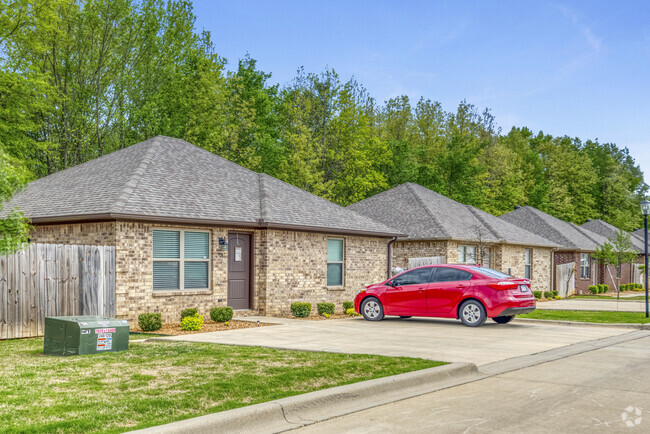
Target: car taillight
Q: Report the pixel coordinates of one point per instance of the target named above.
(504, 285)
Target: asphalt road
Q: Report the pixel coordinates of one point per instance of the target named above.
(603, 390)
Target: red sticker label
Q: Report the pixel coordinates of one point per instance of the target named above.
(98, 331)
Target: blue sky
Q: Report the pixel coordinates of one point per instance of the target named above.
(578, 68)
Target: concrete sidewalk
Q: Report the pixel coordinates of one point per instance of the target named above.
(595, 305)
(428, 338)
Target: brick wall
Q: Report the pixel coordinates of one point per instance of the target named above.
(513, 257)
(297, 269)
(134, 273)
(98, 233)
(403, 250)
(502, 257)
(287, 266)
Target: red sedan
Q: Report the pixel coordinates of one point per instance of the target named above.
(471, 294)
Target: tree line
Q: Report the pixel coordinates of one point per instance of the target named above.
(82, 79)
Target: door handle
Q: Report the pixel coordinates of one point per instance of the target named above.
(461, 286)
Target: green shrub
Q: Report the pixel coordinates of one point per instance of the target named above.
(351, 312)
(548, 295)
(149, 322)
(300, 310)
(190, 311)
(192, 323)
(348, 305)
(594, 289)
(622, 287)
(537, 294)
(602, 288)
(221, 314)
(325, 308)
(555, 294)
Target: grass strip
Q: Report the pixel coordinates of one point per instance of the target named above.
(155, 383)
(589, 316)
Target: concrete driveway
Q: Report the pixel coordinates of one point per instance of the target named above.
(435, 339)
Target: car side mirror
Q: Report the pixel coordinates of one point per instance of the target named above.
(390, 283)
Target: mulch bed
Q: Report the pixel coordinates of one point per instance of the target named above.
(321, 317)
(174, 329)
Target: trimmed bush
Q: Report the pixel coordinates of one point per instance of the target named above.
(623, 287)
(348, 305)
(548, 295)
(325, 308)
(300, 310)
(190, 311)
(192, 323)
(351, 312)
(149, 322)
(537, 294)
(221, 314)
(594, 289)
(555, 293)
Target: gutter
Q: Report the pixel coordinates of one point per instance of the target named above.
(256, 224)
(390, 258)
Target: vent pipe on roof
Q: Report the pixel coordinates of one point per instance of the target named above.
(517, 206)
(588, 220)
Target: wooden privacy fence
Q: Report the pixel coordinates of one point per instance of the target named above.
(54, 280)
(565, 283)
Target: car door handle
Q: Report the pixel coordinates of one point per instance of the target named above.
(461, 286)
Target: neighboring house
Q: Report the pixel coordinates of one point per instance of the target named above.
(192, 229)
(577, 246)
(437, 226)
(629, 272)
(640, 234)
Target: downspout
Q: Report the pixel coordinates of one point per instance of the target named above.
(390, 257)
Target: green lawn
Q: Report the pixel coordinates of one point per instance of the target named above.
(587, 316)
(605, 297)
(159, 382)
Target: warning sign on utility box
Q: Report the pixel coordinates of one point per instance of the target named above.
(104, 341)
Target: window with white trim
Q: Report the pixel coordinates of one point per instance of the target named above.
(181, 259)
(467, 254)
(528, 261)
(335, 261)
(585, 262)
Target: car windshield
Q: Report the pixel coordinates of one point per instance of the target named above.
(492, 273)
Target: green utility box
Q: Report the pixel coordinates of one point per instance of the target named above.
(73, 335)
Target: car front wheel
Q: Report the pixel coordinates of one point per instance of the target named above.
(472, 313)
(371, 309)
(503, 319)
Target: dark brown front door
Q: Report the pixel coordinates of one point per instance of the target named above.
(239, 270)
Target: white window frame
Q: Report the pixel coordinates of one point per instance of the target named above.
(181, 259)
(528, 266)
(327, 262)
(585, 266)
(464, 248)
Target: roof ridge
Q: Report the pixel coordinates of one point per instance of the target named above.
(265, 208)
(584, 231)
(135, 178)
(421, 202)
(559, 233)
(485, 223)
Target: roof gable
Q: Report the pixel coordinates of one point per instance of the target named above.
(170, 179)
(568, 235)
(424, 214)
(609, 231)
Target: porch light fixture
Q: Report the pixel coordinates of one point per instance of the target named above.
(645, 210)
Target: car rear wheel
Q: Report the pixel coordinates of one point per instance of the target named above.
(372, 310)
(472, 313)
(503, 319)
